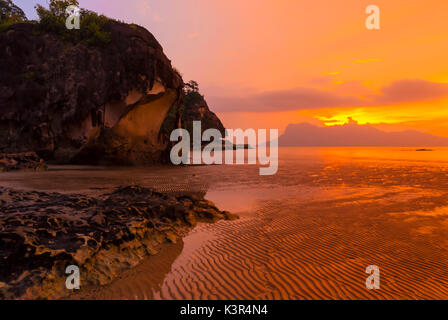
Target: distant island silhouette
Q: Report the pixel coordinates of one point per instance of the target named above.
(353, 134)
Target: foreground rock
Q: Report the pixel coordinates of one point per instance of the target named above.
(43, 233)
(25, 161)
(108, 97)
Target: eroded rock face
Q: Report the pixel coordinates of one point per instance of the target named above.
(25, 161)
(197, 110)
(57, 97)
(135, 138)
(43, 233)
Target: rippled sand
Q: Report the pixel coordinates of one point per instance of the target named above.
(308, 232)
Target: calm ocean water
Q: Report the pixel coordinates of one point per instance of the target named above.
(232, 186)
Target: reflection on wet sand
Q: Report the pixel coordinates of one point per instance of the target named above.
(140, 282)
(308, 232)
(300, 249)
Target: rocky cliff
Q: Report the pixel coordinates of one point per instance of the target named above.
(196, 109)
(193, 107)
(75, 102)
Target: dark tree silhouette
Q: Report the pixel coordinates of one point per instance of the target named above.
(9, 12)
(192, 86)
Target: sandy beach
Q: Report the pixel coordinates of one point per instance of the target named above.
(308, 232)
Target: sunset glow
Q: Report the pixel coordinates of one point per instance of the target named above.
(274, 46)
(239, 152)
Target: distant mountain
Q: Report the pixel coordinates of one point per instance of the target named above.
(353, 134)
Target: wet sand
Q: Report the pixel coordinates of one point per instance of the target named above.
(308, 232)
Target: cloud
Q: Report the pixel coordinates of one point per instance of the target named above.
(353, 88)
(145, 9)
(320, 82)
(412, 90)
(333, 73)
(299, 98)
(368, 60)
(293, 99)
(193, 35)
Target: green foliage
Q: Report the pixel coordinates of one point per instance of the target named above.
(192, 86)
(4, 25)
(53, 19)
(29, 75)
(58, 7)
(91, 29)
(10, 14)
(191, 93)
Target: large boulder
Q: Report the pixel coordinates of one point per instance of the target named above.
(65, 99)
(42, 233)
(9, 12)
(197, 109)
(25, 161)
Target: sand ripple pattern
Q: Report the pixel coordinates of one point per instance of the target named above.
(316, 251)
(385, 206)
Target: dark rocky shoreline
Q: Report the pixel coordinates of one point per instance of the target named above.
(25, 161)
(42, 233)
(108, 98)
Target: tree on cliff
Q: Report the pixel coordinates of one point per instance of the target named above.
(56, 15)
(191, 93)
(92, 25)
(58, 7)
(195, 108)
(9, 11)
(192, 86)
(10, 14)
(54, 19)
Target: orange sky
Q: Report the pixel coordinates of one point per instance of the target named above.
(324, 45)
(268, 63)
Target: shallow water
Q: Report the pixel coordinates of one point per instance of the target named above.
(308, 232)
